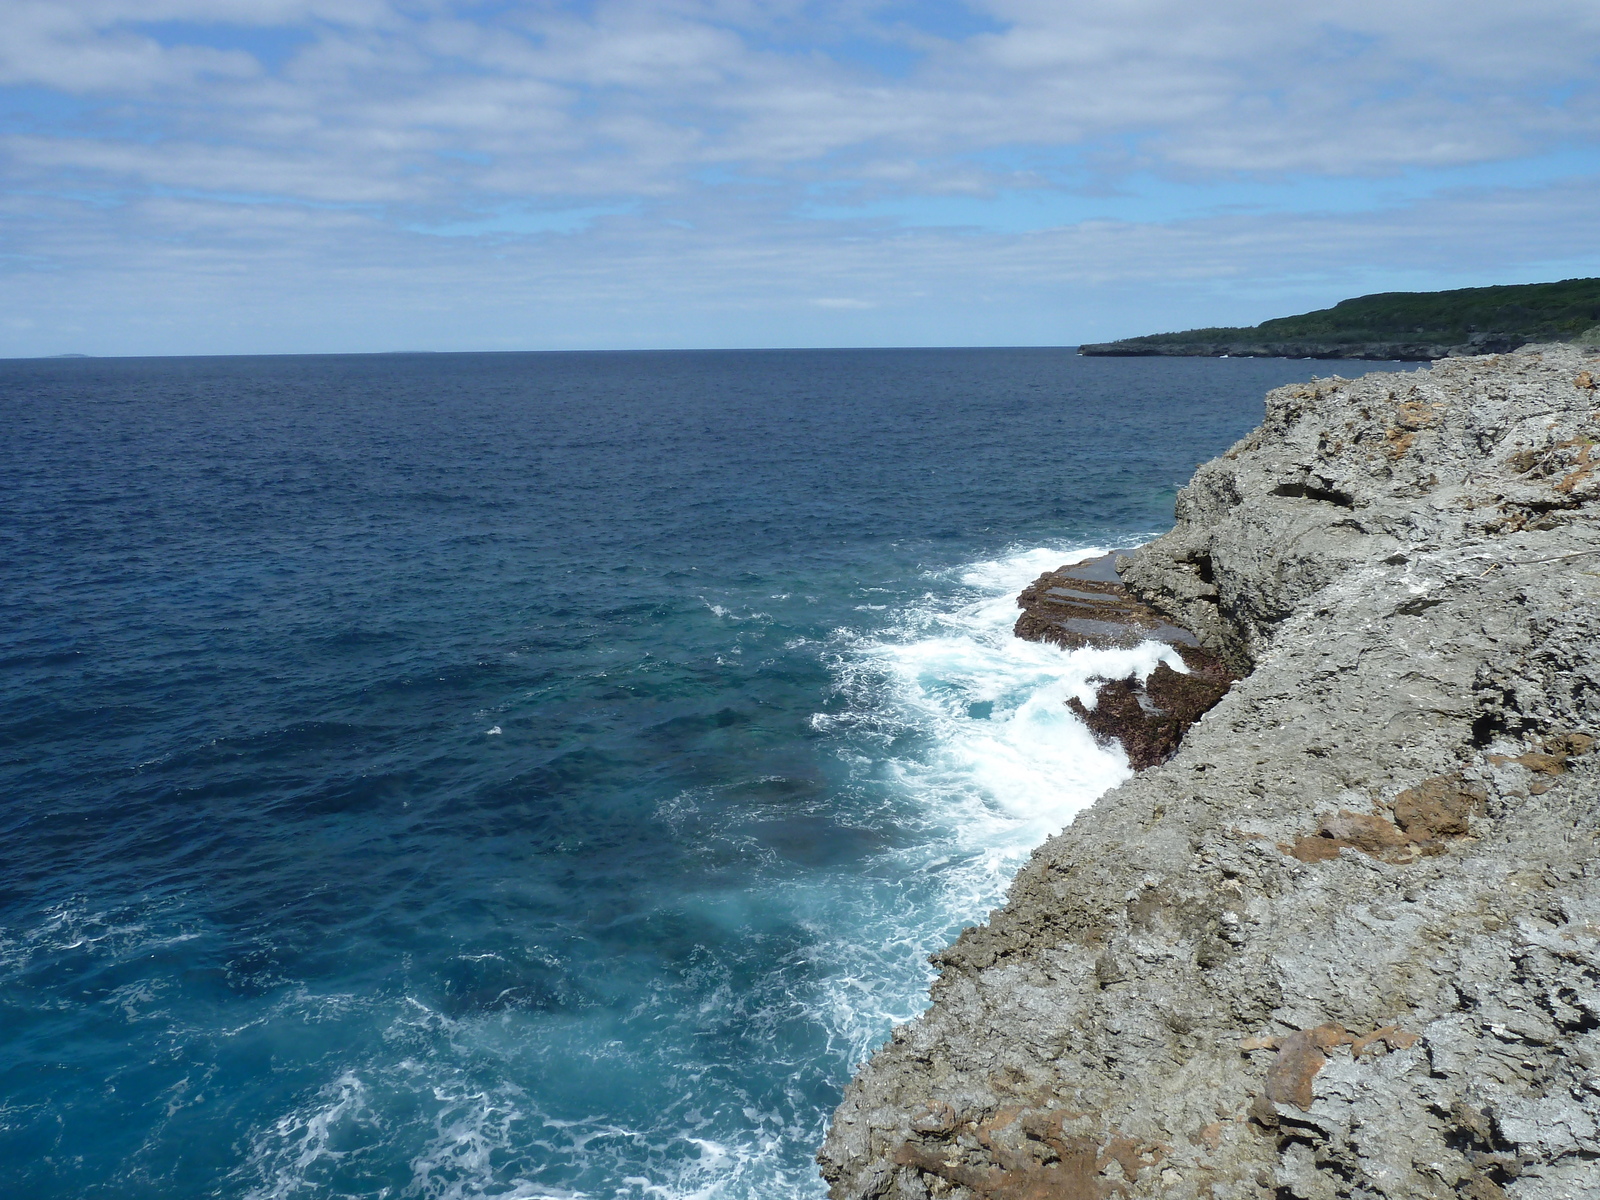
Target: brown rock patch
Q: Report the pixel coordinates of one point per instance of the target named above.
(1300, 1057)
(1435, 809)
(1083, 605)
(1552, 754)
(1438, 807)
(1366, 832)
(1150, 719)
(1303, 1053)
(1033, 1158)
(1391, 1036)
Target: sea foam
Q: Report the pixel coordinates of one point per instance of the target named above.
(955, 748)
(974, 734)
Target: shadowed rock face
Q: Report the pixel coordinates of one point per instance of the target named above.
(1345, 943)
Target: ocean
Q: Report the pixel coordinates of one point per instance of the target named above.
(528, 775)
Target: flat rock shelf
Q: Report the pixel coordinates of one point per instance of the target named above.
(1345, 940)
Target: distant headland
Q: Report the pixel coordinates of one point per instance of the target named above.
(1410, 326)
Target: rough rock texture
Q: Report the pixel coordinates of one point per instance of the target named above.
(1346, 943)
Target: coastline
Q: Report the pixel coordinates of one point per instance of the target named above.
(1346, 941)
(1418, 352)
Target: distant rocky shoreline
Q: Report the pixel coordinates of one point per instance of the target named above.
(1345, 941)
(1395, 326)
(1371, 351)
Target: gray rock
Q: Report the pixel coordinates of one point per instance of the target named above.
(1346, 943)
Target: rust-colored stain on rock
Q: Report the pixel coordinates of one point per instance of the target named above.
(1300, 1057)
(1438, 807)
(1303, 1053)
(1552, 754)
(1391, 1036)
(1434, 809)
(1034, 1159)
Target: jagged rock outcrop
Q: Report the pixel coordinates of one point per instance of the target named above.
(1346, 943)
(1085, 604)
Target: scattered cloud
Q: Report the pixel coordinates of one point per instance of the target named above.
(722, 163)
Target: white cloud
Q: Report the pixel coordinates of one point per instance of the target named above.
(187, 275)
(717, 125)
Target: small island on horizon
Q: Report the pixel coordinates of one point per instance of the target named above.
(1406, 326)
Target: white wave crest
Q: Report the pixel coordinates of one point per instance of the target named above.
(956, 755)
(973, 732)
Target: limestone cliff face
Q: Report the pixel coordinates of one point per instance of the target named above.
(1346, 943)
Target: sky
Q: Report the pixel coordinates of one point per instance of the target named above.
(288, 176)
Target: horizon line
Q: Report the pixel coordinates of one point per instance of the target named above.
(78, 357)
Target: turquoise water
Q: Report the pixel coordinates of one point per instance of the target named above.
(526, 775)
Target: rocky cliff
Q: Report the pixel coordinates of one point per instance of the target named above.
(1346, 942)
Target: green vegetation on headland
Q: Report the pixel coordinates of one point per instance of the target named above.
(1415, 326)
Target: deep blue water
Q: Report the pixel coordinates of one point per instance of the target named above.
(525, 775)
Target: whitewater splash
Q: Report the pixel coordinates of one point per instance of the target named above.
(954, 753)
(996, 706)
(988, 761)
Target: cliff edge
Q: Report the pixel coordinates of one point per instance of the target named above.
(1346, 942)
